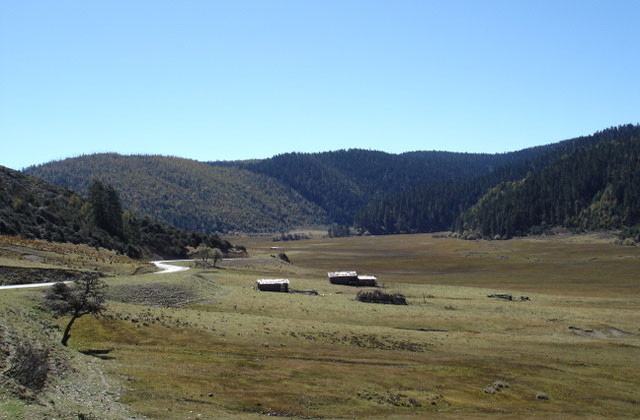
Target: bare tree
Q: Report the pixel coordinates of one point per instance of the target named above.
(85, 297)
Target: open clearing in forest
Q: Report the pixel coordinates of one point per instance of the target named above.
(239, 353)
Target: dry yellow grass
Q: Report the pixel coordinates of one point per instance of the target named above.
(37, 253)
(564, 266)
(241, 353)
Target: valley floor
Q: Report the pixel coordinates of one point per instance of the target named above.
(204, 344)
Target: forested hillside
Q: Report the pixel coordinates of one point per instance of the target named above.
(343, 181)
(378, 192)
(188, 194)
(33, 208)
(594, 187)
(436, 207)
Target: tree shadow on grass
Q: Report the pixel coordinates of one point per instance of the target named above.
(99, 353)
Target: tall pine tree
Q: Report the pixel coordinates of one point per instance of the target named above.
(106, 209)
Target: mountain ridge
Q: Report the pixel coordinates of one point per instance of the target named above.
(437, 207)
(378, 192)
(342, 181)
(187, 193)
(594, 187)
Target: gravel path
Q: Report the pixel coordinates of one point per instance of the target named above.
(165, 266)
(20, 286)
(168, 268)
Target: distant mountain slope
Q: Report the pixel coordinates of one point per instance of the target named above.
(437, 206)
(33, 208)
(188, 194)
(343, 181)
(594, 187)
(382, 193)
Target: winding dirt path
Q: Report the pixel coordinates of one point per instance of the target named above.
(23, 286)
(166, 267)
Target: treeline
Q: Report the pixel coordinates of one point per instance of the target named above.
(343, 181)
(338, 231)
(438, 207)
(595, 187)
(285, 237)
(32, 208)
(376, 192)
(188, 194)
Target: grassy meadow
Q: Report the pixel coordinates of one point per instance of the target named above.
(230, 351)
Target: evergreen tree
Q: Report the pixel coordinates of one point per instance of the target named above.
(106, 210)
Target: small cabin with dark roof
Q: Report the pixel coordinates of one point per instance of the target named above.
(273, 285)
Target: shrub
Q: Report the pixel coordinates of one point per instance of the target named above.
(376, 296)
(29, 366)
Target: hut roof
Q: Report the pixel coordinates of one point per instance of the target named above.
(272, 281)
(342, 274)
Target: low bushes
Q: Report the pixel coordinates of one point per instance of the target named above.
(376, 296)
(29, 365)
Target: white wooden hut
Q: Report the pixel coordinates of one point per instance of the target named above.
(343, 277)
(351, 278)
(368, 281)
(273, 285)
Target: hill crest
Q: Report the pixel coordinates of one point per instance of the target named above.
(186, 193)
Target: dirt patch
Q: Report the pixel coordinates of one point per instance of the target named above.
(154, 294)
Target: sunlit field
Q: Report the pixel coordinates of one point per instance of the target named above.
(230, 351)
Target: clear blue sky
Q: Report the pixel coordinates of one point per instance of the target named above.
(240, 79)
